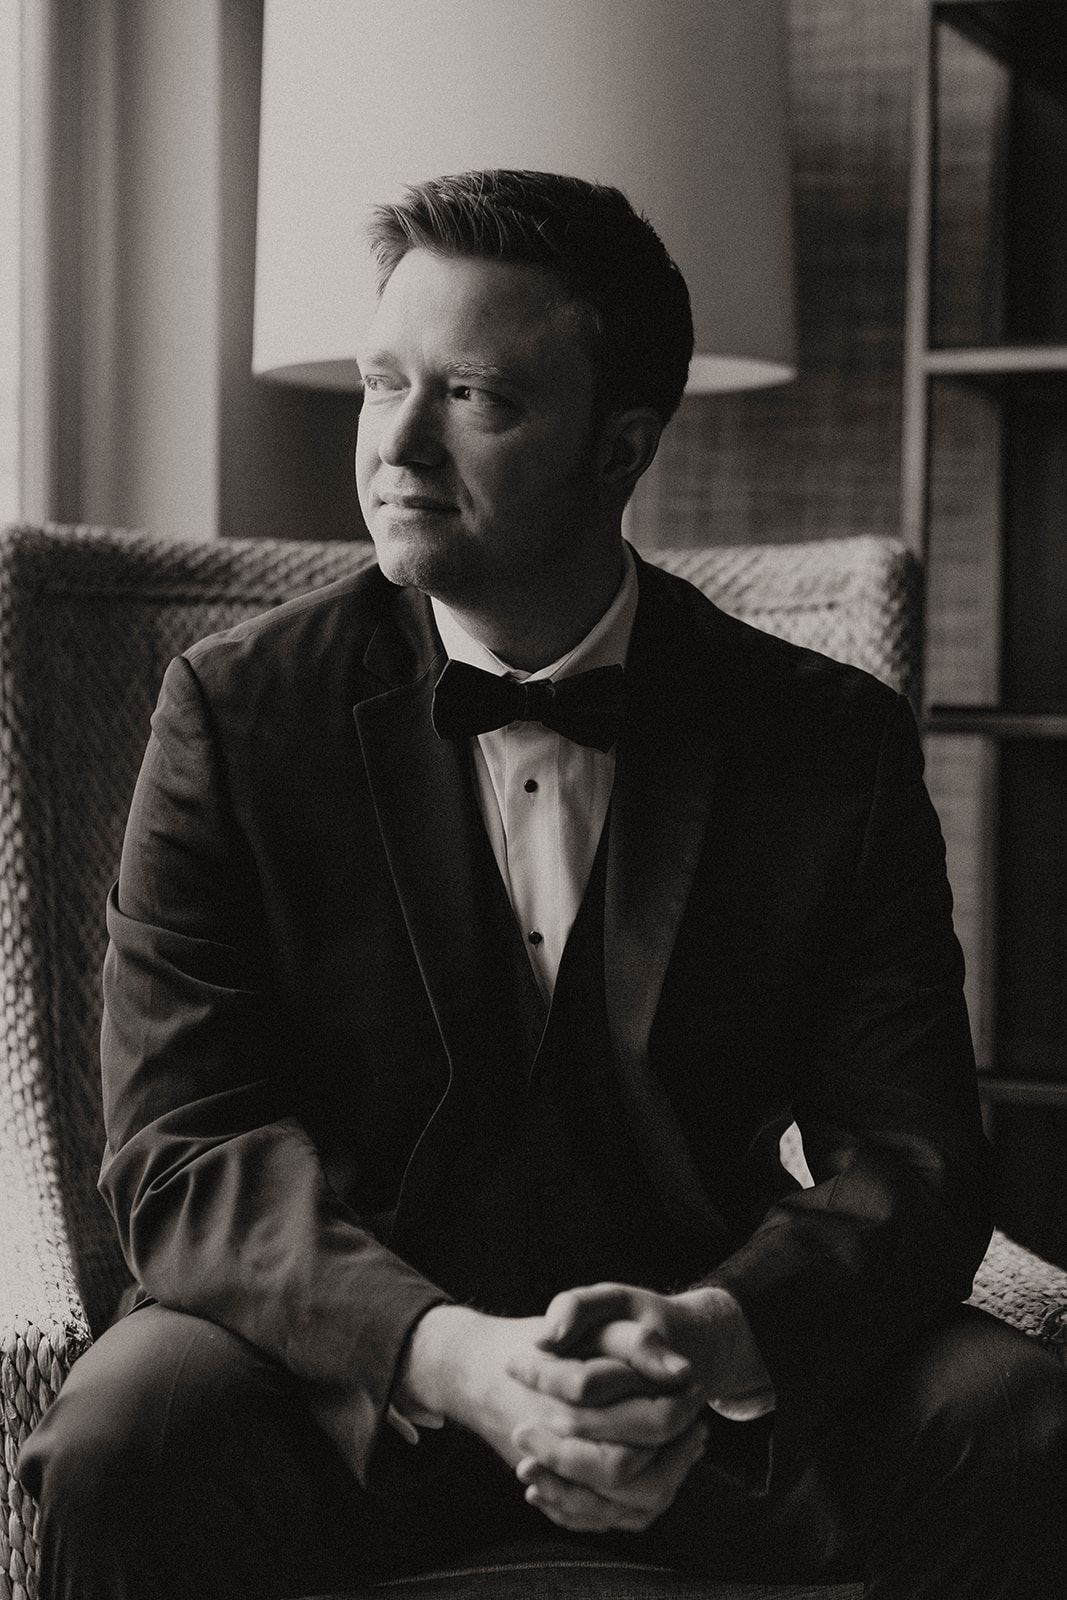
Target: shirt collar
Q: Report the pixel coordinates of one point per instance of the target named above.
(605, 645)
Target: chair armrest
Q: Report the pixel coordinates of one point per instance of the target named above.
(1017, 1286)
(43, 1330)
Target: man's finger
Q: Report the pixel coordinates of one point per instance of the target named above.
(604, 1468)
(596, 1382)
(640, 1421)
(647, 1478)
(576, 1312)
(643, 1348)
(580, 1509)
(635, 1503)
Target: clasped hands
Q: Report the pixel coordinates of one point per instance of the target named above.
(599, 1406)
(630, 1420)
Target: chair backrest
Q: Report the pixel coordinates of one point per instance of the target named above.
(89, 619)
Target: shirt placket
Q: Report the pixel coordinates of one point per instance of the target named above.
(532, 830)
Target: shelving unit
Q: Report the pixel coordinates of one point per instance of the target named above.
(985, 506)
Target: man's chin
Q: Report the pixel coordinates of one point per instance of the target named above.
(422, 560)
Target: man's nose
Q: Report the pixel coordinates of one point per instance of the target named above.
(412, 433)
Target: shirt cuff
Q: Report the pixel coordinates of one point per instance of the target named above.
(747, 1392)
(408, 1426)
(745, 1407)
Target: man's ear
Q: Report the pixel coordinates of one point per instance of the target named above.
(628, 443)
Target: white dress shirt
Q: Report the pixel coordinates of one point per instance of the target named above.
(544, 798)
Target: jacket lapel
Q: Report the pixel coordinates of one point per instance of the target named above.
(662, 800)
(454, 905)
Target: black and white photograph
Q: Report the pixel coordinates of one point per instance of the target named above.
(533, 799)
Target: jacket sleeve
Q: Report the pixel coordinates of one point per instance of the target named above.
(220, 1200)
(838, 1278)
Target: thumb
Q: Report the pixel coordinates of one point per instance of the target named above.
(645, 1350)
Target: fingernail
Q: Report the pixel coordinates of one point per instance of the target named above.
(672, 1363)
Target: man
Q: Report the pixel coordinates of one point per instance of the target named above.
(460, 988)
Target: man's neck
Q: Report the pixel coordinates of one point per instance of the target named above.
(531, 631)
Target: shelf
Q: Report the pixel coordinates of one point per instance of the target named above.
(996, 361)
(997, 722)
(984, 475)
(1021, 1091)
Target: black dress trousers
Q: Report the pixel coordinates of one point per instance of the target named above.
(178, 1461)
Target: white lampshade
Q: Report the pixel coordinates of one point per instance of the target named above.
(679, 103)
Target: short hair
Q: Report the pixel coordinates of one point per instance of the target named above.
(630, 299)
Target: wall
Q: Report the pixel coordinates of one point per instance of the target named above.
(820, 456)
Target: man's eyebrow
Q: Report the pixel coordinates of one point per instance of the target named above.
(462, 367)
(483, 371)
(375, 358)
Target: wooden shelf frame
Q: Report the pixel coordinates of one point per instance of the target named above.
(960, 397)
(994, 361)
(915, 455)
(924, 359)
(997, 722)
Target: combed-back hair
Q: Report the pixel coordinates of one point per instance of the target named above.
(630, 300)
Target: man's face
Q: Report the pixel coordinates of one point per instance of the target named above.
(476, 454)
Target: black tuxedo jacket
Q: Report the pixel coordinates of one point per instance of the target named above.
(303, 1002)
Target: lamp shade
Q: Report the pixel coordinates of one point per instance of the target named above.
(679, 103)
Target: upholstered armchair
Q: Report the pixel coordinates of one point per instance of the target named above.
(88, 620)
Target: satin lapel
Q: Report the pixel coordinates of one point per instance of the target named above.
(453, 902)
(662, 799)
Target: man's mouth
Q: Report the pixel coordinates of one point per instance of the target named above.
(417, 502)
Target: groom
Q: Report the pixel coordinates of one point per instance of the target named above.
(483, 920)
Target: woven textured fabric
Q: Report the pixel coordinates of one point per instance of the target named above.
(88, 621)
(854, 599)
(1015, 1285)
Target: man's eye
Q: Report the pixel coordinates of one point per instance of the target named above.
(378, 383)
(484, 398)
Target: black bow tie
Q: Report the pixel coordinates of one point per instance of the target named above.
(586, 708)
